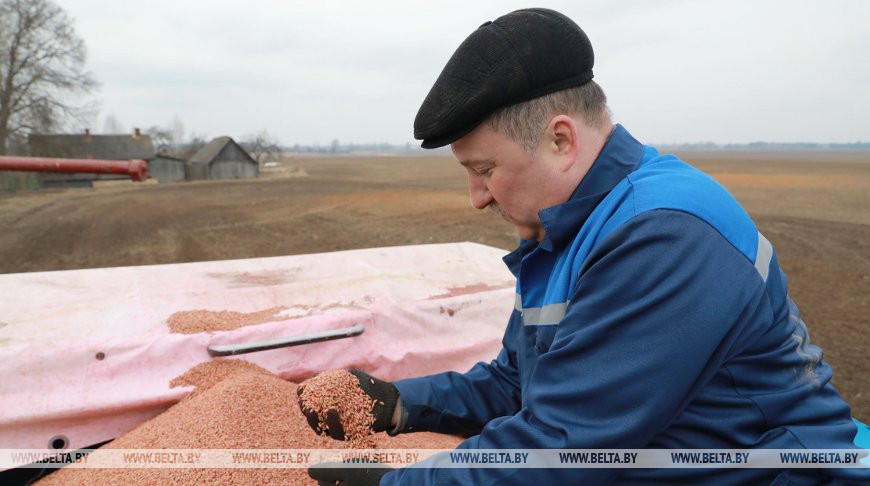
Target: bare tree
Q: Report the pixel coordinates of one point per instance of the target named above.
(113, 125)
(163, 139)
(192, 146)
(177, 129)
(42, 61)
(261, 146)
(169, 139)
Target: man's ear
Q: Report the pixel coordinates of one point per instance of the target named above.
(563, 141)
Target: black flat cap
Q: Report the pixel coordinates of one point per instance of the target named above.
(519, 56)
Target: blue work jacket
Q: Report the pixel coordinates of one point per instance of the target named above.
(652, 315)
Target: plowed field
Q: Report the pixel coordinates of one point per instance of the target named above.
(813, 206)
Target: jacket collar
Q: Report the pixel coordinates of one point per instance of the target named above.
(619, 157)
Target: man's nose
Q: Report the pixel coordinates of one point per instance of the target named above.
(478, 192)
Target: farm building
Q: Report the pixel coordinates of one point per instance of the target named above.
(222, 158)
(88, 146)
(166, 168)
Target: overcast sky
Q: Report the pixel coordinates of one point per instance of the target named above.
(309, 72)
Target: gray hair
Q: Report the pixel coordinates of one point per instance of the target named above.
(525, 122)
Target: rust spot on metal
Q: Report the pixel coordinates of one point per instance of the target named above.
(448, 311)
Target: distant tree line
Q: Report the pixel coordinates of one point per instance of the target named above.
(762, 146)
(336, 147)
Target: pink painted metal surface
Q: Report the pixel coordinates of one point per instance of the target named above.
(89, 353)
(137, 169)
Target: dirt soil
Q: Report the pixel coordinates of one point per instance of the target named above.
(813, 206)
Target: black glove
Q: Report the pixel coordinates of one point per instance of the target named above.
(334, 473)
(384, 394)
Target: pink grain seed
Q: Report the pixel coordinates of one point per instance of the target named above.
(195, 321)
(237, 405)
(339, 390)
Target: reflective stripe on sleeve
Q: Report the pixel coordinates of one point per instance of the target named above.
(541, 316)
(763, 256)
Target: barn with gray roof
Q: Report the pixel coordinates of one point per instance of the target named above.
(222, 158)
(88, 146)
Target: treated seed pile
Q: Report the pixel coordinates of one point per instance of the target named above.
(192, 322)
(205, 375)
(236, 405)
(339, 390)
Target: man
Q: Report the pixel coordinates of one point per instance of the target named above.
(650, 312)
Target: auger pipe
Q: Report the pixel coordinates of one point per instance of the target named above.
(137, 169)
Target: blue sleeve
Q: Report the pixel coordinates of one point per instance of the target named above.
(462, 403)
(654, 314)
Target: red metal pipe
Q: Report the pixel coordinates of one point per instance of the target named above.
(137, 169)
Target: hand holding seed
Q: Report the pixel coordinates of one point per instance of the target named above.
(348, 405)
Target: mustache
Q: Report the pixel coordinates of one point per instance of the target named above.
(496, 209)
